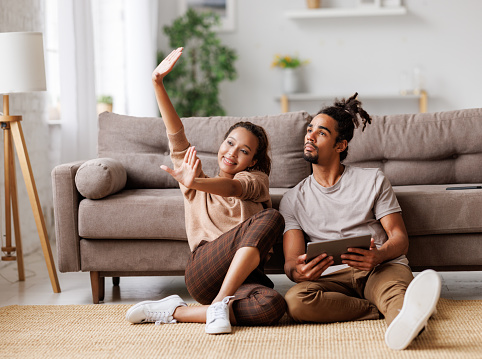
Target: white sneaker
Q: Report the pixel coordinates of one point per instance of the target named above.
(158, 311)
(419, 303)
(217, 317)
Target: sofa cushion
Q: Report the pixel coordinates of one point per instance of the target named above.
(137, 213)
(142, 214)
(424, 148)
(141, 145)
(285, 131)
(157, 213)
(431, 209)
(100, 177)
(276, 196)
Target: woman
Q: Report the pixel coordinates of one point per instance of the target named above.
(229, 223)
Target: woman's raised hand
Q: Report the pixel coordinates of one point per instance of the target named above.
(166, 65)
(189, 170)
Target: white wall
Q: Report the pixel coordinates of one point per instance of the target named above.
(365, 54)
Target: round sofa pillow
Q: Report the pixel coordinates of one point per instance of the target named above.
(100, 177)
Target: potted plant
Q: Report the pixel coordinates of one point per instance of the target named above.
(104, 103)
(291, 76)
(193, 84)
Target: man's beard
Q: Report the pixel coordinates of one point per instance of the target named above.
(312, 158)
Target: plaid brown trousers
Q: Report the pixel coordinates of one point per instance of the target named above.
(255, 302)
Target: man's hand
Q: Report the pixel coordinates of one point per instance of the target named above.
(166, 65)
(189, 170)
(313, 269)
(363, 259)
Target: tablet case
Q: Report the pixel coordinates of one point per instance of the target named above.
(337, 247)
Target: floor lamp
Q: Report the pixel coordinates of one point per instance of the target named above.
(22, 69)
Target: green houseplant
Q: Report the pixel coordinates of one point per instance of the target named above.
(193, 84)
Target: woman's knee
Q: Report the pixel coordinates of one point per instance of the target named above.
(273, 223)
(262, 307)
(274, 216)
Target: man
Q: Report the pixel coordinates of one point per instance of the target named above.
(339, 201)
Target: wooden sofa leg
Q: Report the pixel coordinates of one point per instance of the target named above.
(98, 287)
(101, 288)
(115, 281)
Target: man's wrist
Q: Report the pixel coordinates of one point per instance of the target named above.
(289, 271)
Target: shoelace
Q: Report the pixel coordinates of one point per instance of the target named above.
(220, 309)
(163, 317)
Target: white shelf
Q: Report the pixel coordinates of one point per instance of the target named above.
(317, 97)
(345, 12)
(298, 97)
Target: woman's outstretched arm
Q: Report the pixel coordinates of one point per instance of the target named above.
(169, 115)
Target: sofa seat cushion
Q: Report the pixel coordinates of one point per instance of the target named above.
(140, 214)
(136, 213)
(276, 196)
(159, 213)
(431, 209)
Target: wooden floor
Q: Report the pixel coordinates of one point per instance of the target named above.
(36, 289)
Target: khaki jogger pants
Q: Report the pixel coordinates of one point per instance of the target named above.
(351, 294)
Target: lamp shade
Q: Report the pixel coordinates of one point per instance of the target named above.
(22, 65)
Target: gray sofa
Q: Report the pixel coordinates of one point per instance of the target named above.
(121, 215)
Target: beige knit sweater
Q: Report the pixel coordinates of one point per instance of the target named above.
(208, 216)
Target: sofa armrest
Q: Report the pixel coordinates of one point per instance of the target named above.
(66, 200)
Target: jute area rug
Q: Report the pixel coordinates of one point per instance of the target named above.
(101, 331)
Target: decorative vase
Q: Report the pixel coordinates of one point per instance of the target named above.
(291, 80)
(313, 4)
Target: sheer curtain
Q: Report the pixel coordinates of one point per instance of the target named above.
(140, 56)
(77, 81)
(125, 39)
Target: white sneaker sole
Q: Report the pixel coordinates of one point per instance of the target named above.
(220, 330)
(149, 302)
(419, 303)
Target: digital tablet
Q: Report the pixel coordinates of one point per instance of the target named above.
(337, 247)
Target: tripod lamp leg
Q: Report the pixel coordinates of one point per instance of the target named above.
(24, 161)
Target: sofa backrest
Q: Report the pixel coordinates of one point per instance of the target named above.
(425, 148)
(141, 145)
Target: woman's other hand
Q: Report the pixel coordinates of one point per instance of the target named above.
(189, 170)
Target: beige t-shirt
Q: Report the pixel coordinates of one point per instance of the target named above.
(208, 216)
(353, 206)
